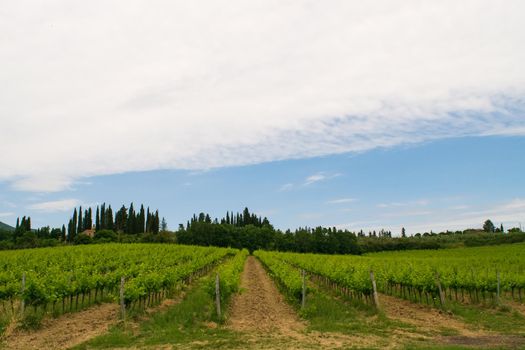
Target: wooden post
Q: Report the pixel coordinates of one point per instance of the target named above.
(441, 296)
(303, 299)
(498, 290)
(218, 294)
(23, 302)
(374, 287)
(122, 304)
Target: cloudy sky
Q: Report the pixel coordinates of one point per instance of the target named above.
(355, 114)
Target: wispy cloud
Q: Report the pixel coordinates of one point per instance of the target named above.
(247, 90)
(6, 214)
(55, 206)
(508, 213)
(421, 202)
(286, 187)
(321, 176)
(341, 201)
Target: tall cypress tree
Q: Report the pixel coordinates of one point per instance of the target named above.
(130, 222)
(141, 219)
(97, 220)
(80, 222)
(109, 218)
(103, 216)
(148, 221)
(75, 218)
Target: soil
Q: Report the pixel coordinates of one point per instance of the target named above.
(260, 307)
(66, 331)
(428, 320)
(268, 322)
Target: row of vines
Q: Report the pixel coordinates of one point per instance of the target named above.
(470, 275)
(66, 279)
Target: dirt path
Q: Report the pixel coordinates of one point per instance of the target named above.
(260, 307)
(268, 322)
(429, 321)
(66, 331)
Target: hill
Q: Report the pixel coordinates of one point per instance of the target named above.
(6, 227)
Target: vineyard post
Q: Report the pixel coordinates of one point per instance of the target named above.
(218, 294)
(441, 296)
(374, 287)
(498, 289)
(122, 304)
(303, 294)
(23, 302)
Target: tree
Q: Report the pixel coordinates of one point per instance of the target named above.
(97, 220)
(488, 226)
(74, 229)
(80, 222)
(403, 232)
(164, 225)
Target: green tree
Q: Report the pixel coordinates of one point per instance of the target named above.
(488, 226)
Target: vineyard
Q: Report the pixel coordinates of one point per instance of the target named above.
(202, 285)
(471, 275)
(59, 280)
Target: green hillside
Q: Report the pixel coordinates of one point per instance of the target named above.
(6, 227)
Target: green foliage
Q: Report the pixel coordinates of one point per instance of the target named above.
(83, 239)
(288, 277)
(488, 226)
(56, 273)
(105, 236)
(464, 269)
(230, 277)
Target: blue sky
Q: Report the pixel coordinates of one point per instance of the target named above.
(370, 115)
(451, 183)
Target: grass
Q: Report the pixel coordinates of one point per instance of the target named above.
(326, 313)
(192, 321)
(498, 319)
(194, 324)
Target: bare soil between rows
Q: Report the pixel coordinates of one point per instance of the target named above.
(66, 331)
(428, 320)
(267, 321)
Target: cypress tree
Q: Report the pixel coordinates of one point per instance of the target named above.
(141, 219)
(103, 216)
(157, 223)
(75, 217)
(63, 232)
(80, 222)
(148, 221)
(109, 218)
(97, 220)
(130, 224)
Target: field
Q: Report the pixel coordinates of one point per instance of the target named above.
(174, 296)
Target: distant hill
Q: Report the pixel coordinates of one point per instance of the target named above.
(6, 227)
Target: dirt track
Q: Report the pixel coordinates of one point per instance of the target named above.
(260, 307)
(66, 331)
(268, 322)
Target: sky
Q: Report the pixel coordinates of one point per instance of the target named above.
(384, 114)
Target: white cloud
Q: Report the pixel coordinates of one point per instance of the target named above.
(6, 214)
(55, 206)
(322, 176)
(286, 187)
(120, 87)
(421, 202)
(341, 201)
(509, 214)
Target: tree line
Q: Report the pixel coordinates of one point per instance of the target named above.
(239, 230)
(126, 220)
